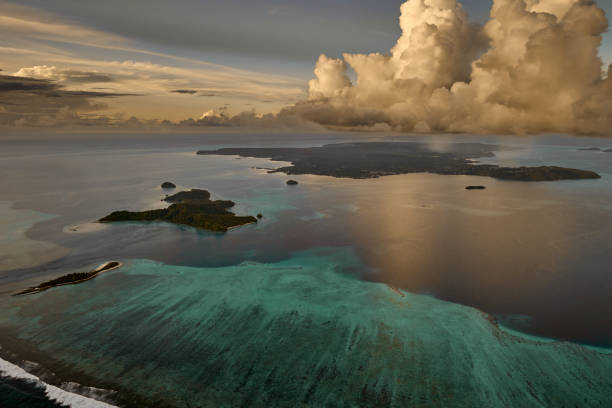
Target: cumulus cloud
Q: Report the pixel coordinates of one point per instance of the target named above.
(220, 117)
(534, 67)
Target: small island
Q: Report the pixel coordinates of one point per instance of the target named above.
(475, 187)
(292, 183)
(376, 159)
(595, 149)
(168, 185)
(71, 278)
(193, 208)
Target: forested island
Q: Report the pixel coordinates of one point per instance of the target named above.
(71, 278)
(375, 159)
(193, 208)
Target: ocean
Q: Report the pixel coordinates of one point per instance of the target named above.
(404, 290)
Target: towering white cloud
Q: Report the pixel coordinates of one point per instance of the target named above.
(534, 67)
(331, 78)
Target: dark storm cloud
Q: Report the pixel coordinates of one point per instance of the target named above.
(12, 83)
(44, 87)
(85, 77)
(185, 91)
(43, 102)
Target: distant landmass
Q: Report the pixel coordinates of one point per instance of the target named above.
(193, 208)
(375, 159)
(594, 149)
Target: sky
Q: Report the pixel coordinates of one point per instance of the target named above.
(174, 60)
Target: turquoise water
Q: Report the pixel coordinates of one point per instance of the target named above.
(296, 309)
(16, 249)
(296, 331)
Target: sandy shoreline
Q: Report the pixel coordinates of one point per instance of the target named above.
(98, 271)
(241, 225)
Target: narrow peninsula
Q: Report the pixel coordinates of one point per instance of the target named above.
(375, 159)
(193, 208)
(71, 278)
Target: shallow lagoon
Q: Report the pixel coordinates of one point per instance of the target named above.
(296, 330)
(535, 255)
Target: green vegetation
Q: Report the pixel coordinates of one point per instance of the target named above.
(539, 173)
(193, 195)
(291, 182)
(193, 208)
(376, 159)
(168, 184)
(78, 276)
(70, 278)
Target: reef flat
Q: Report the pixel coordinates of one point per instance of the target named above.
(297, 332)
(193, 208)
(375, 159)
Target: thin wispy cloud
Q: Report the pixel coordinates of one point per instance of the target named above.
(43, 46)
(30, 24)
(443, 74)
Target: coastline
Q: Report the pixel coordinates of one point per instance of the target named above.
(520, 335)
(258, 196)
(523, 335)
(241, 225)
(98, 271)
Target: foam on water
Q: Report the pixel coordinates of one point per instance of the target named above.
(295, 331)
(56, 394)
